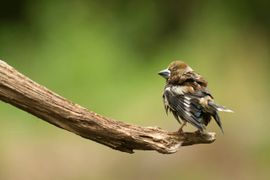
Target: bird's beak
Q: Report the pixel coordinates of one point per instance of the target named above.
(165, 73)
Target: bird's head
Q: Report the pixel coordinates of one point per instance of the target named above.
(175, 68)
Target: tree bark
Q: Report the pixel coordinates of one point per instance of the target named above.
(20, 91)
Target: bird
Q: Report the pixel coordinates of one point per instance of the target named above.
(186, 96)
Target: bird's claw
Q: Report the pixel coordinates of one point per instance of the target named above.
(198, 132)
(180, 131)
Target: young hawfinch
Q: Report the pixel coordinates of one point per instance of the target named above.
(186, 96)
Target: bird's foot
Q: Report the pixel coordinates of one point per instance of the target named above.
(199, 132)
(180, 130)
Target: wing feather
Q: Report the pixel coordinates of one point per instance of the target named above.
(185, 107)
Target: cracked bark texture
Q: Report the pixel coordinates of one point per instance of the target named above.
(20, 91)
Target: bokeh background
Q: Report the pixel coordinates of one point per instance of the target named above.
(105, 55)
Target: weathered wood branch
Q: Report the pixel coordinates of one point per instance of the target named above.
(20, 91)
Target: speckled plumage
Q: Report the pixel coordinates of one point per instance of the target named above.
(187, 97)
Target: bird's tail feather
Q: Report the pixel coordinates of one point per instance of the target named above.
(218, 121)
(215, 113)
(219, 107)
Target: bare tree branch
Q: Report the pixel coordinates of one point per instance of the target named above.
(20, 91)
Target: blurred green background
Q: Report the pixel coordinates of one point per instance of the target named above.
(105, 55)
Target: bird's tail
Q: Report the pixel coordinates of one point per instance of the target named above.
(218, 121)
(218, 107)
(215, 114)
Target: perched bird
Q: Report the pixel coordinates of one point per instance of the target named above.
(186, 96)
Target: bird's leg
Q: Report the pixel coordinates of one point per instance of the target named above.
(180, 130)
